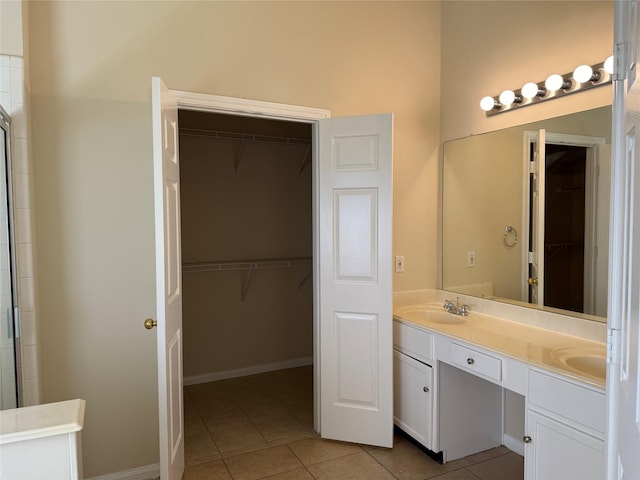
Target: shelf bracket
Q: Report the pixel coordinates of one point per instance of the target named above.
(306, 277)
(306, 159)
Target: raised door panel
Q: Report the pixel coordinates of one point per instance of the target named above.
(413, 397)
(560, 452)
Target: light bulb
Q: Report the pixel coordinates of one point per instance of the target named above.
(608, 65)
(554, 82)
(583, 73)
(507, 97)
(530, 90)
(487, 104)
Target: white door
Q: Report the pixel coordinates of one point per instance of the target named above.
(536, 251)
(355, 304)
(168, 280)
(623, 396)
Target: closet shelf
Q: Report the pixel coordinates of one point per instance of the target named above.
(250, 266)
(246, 137)
(246, 264)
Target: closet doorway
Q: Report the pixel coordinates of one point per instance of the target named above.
(247, 244)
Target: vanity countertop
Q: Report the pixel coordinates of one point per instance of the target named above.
(28, 423)
(571, 356)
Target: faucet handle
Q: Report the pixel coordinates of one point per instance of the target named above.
(465, 309)
(447, 304)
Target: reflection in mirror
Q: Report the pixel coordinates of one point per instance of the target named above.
(514, 231)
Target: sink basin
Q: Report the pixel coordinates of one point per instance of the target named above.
(429, 314)
(587, 361)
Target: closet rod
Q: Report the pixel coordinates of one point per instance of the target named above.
(250, 264)
(194, 132)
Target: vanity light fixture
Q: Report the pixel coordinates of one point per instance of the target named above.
(584, 77)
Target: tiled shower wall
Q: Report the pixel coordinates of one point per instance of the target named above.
(13, 98)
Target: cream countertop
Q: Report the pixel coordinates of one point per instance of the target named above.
(40, 421)
(526, 343)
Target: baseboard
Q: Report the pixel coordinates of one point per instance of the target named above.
(243, 372)
(514, 444)
(148, 472)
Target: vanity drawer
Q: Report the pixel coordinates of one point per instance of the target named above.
(413, 341)
(569, 400)
(475, 361)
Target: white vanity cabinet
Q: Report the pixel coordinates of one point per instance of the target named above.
(413, 391)
(565, 425)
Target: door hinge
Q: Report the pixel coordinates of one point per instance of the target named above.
(533, 166)
(613, 345)
(530, 257)
(620, 61)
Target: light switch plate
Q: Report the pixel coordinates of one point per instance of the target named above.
(399, 263)
(471, 259)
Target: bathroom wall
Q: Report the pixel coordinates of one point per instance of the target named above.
(505, 45)
(91, 67)
(243, 200)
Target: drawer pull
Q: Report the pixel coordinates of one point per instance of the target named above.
(526, 439)
(425, 389)
(470, 361)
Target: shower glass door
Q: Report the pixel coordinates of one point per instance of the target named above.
(9, 341)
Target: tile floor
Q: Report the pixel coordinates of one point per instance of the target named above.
(261, 427)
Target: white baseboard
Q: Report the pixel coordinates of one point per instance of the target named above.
(514, 444)
(243, 372)
(148, 472)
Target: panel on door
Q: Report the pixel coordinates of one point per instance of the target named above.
(413, 397)
(355, 307)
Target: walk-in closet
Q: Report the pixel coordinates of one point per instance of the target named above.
(246, 213)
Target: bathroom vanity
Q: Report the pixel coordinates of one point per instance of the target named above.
(451, 373)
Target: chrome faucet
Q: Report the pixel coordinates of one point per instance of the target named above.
(456, 308)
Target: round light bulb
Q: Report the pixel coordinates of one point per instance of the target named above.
(507, 97)
(583, 73)
(530, 90)
(608, 65)
(554, 82)
(487, 104)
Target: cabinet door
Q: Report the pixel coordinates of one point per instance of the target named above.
(412, 397)
(560, 452)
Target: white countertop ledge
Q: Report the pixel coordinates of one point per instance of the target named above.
(28, 423)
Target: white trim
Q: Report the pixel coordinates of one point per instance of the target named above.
(243, 372)
(514, 444)
(148, 472)
(243, 106)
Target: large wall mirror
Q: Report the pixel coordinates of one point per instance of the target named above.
(526, 214)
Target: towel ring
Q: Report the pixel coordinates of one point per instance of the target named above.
(510, 238)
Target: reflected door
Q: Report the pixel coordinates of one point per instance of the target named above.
(536, 253)
(9, 346)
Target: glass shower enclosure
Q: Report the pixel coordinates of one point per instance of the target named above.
(10, 378)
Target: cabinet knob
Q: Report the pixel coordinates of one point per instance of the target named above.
(149, 323)
(425, 389)
(470, 361)
(526, 439)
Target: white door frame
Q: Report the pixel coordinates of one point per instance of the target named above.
(592, 144)
(277, 111)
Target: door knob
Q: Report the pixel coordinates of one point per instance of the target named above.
(470, 361)
(526, 439)
(149, 323)
(532, 281)
(425, 389)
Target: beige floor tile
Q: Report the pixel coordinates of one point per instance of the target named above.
(461, 474)
(199, 447)
(243, 450)
(504, 467)
(277, 428)
(408, 462)
(262, 464)
(483, 456)
(207, 471)
(236, 437)
(317, 450)
(358, 466)
(231, 419)
(297, 474)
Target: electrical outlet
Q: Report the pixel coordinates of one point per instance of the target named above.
(471, 259)
(399, 263)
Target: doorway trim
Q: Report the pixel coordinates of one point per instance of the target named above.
(592, 144)
(279, 111)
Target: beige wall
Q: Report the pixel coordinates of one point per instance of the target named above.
(91, 67)
(491, 46)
